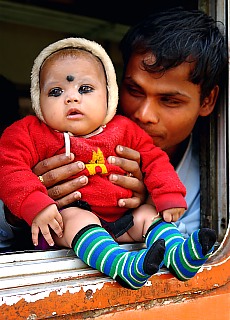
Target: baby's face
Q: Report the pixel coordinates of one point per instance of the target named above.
(73, 93)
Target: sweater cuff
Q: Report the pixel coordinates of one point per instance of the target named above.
(33, 204)
(168, 201)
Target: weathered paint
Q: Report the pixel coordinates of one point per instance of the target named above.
(208, 306)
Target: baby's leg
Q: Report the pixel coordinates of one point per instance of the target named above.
(182, 257)
(96, 247)
(74, 219)
(143, 217)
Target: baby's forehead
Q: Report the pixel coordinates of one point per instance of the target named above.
(75, 53)
(63, 62)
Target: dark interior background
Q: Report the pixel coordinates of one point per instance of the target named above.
(27, 26)
(124, 12)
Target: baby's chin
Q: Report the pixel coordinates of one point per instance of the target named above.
(84, 133)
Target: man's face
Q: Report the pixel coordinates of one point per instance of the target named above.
(166, 106)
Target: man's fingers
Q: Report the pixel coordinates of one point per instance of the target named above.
(127, 165)
(137, 187)
(52, 163)
(127, 153)
(128, 182)
(70, 198)
(130, 203)
(129, 160)
(60, 174)
(59, 191)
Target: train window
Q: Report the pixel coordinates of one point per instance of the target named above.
(108, 28)
(214, 155)
(51, 20)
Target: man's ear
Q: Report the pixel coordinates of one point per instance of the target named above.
(209, 102)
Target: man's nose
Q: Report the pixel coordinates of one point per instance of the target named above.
(147, 113)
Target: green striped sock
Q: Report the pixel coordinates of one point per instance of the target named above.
(183, 257)
(95, 246)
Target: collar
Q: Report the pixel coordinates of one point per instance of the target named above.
(91, 134)
(67, 136)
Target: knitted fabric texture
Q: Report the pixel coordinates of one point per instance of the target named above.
(182, 257)
(95, 246)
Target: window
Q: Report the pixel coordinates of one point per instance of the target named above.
(32, 276)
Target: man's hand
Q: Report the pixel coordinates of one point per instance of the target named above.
(57, 169)
(60, 168)
(129, 160)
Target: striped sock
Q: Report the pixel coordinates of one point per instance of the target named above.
(182, 257)
(95, 246)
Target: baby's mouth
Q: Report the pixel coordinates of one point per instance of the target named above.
(73, 112)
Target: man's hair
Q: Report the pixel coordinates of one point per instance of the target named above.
(176, 36)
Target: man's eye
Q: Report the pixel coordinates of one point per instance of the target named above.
(55, 92)
(85, 89)
(134, 91)
(170, 101)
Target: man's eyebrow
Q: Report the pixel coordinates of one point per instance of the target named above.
(174, 93)
(131, 81)
(129, 78)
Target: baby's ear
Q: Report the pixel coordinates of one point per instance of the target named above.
(209, 102)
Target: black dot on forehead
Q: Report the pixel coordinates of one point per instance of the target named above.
(70, 78)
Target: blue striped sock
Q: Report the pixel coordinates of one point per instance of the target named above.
(95, 246)
(182, 257)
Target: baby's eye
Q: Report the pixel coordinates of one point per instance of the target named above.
(85, 89)
(55, 92)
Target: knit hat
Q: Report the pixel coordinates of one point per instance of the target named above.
(78, 43)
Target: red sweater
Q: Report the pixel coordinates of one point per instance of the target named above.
(29, 141)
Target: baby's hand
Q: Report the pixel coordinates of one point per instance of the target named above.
(46, 219)
(173, 214)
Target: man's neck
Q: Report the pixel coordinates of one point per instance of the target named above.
(176, 153)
